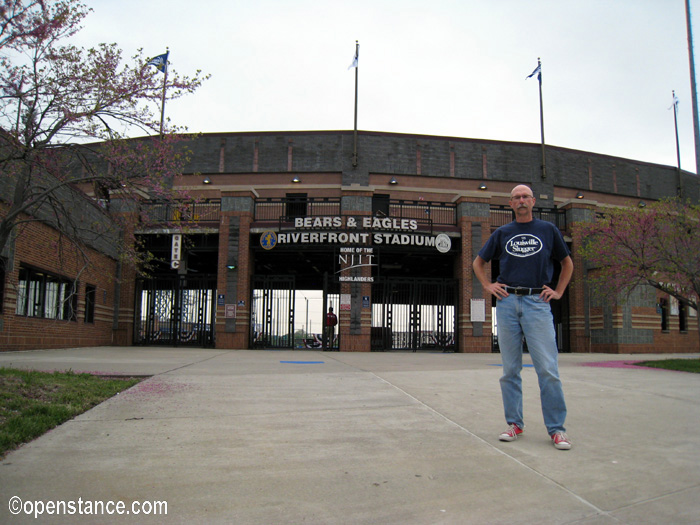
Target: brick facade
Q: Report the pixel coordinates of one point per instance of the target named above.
(40, 247)
(242, 169)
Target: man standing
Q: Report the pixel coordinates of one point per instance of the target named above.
(526, 249)
(331, 321)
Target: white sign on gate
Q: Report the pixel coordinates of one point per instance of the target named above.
(176, 251)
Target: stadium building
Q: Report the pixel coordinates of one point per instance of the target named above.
(382, 227)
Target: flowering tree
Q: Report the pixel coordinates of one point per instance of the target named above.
(658, 245)
(64, 115)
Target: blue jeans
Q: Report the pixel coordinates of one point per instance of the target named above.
(531, 317)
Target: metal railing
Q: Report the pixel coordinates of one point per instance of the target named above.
(205, 211)
(271, 209)
(501, 214)
(443, 213)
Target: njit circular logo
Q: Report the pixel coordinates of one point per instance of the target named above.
(268, 240)
(443, 243)
(523, 245)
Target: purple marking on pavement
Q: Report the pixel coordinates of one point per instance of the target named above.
(615, 364)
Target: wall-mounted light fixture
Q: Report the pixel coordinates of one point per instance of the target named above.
(579, 195)
(393, 181)
(207, 180)
(296, 180)
(231, 266)
(483, 187)
(642, 204)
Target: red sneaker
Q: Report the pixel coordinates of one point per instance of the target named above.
(511, 434)
(561, 441)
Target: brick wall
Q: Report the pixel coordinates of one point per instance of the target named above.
(40, 246)
(429, 156)
(633, 325)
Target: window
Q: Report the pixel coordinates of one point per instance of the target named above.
(90, 303)
(41, 294)
(663, 306)
(682, 316)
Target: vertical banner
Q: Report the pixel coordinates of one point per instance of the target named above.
(176, 251)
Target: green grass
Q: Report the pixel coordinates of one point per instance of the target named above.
(681, 365)
(32, 403)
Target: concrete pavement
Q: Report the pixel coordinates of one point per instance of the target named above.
(262, 437)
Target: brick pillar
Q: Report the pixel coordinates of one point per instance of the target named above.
(473, 216)
(579, 302)
(234, 270)
(125, 281)
(123, 317)
(354, 324)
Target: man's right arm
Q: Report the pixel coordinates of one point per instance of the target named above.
(496, 289)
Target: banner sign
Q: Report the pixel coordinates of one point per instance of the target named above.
(357, 231)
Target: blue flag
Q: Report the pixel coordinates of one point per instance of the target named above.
(160, 62)
(354, 61)
(537, 71)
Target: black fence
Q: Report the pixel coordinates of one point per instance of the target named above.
(198, 212)
(175, 310)
(414, 314)
(442, 213)
(501, 214)
(272, 209)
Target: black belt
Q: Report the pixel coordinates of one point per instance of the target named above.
(524, 291)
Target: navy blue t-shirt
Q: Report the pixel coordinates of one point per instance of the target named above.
(526, 251)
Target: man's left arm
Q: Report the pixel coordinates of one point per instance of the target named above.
(567, 270)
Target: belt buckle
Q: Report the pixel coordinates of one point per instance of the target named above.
(522, 291)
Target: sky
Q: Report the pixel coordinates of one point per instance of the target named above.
(452, 68)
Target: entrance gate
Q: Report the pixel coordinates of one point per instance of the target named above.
(414, 314)
(272, 311)
(175, 310)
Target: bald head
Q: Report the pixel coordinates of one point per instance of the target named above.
(522, 201)
(521, 190)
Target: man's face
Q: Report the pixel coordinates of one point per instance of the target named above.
(522, 200)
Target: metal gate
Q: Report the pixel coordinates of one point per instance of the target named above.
(272, 311)
(175, 310)
(414, 314)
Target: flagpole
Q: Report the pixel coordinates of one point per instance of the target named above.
(165, 83)
(539, 78)
(357, 67)
(693, 88)
(678, 146)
